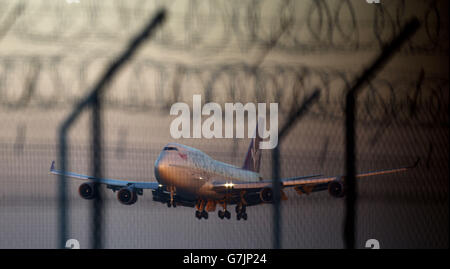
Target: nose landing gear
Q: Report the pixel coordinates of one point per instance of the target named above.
(241, 212)
(171, 202)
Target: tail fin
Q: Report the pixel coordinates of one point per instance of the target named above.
(253, 157)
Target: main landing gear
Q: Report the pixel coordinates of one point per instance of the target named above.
(241, 208)
(224, 213)
(241, 212)
(201, 212)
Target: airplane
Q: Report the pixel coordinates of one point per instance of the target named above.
(188, 177)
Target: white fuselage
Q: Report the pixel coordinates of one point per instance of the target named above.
(191, 172)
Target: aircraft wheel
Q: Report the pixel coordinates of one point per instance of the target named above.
(238, 216)
(205, 214)
(174, 204)
(168, 204)
(221, 214)
(227, 214)
(198, 215)
(244, 216)
(135, 198)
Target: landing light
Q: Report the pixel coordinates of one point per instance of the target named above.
(229, 185)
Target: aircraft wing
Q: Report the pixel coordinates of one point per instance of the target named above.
(109, 182)
(260, 184)
(306, 184)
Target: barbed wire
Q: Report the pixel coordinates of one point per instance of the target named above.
(212, 26)
(55, 51)
(51, 82)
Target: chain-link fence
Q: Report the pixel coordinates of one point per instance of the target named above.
(53, 53)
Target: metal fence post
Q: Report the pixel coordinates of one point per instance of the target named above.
(276, 184)
(94, 99)
(350, 111)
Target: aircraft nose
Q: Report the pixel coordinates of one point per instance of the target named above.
(161, 168)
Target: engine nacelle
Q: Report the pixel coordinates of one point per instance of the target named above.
(336, 188)
(127, 196)
(266, 195)
(87, 191)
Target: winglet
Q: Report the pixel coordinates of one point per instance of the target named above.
(415, 164)
(52, 167)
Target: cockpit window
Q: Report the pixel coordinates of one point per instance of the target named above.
(170, 148)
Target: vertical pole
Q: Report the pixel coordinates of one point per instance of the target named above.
(96, 160)
(93, 99)
(276, 183)
(350, 200)
(276, 197)
(350, 111)
(63, 204)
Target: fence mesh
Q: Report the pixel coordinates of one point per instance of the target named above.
(52, 52)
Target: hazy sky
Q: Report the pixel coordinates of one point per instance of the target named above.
(51, 53)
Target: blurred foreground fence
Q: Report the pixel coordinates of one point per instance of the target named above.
(304, 55)
(93, 100)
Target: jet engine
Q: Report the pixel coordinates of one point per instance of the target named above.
(87, 191)
(266, 195)
(127, 196)
(336, 188)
